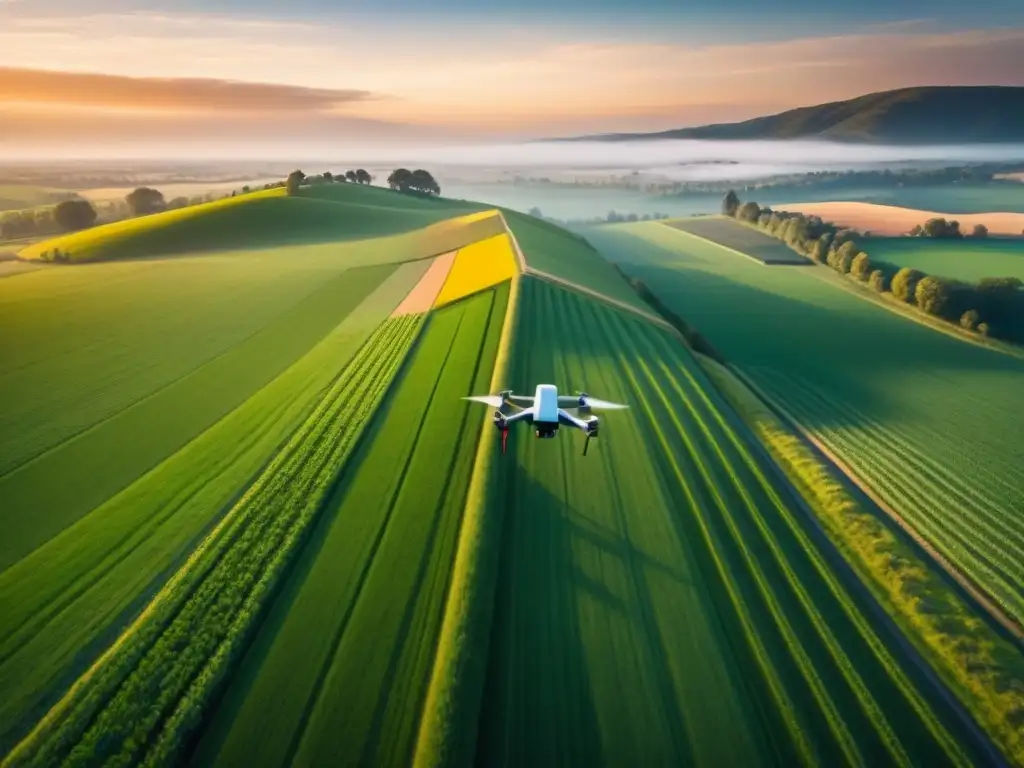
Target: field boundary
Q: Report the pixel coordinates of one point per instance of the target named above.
(759, 262)
(846, 570)
(451, 708)
(985, 603)
(526, 269)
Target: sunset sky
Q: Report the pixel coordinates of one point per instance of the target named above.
(209, 71)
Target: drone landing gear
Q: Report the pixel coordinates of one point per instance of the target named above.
(504, 439)
(586, 444)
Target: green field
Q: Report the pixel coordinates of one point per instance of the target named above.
(663, 600)
(745, 240)
(142, 699)
(968, 260)
(260, 219)
(933, 424)
(339, 671)
(249, 520)
(555, 251)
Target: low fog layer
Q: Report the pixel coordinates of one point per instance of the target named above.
(691, 160)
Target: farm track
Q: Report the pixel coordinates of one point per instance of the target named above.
(760, 599)
(143, 697)
(345, 656)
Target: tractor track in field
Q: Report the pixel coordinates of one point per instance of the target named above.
(976, 593)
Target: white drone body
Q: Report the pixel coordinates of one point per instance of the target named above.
(546, 411)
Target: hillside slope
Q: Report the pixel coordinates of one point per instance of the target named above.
(938, 114)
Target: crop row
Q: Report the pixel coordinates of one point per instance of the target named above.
(151, 688)
(984, 537)
(339, 670)
(62, 604)
(115, 390)
(665, 600)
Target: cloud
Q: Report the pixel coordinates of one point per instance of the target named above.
(33, 86)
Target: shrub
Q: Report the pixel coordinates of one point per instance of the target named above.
(969, 319)
(983, 329)
(860, 267)
(749, 212)
(730, 203)
(904, 284)
(932, 294)
(878, 281)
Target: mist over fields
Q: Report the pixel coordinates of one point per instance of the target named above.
(690, 160)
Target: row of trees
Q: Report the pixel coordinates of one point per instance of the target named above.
(994, 305)
(612, 217)
(297, 179)
(946, 230)
(79, 213)
(419, 181)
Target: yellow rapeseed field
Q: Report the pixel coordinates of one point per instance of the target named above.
(478, 266)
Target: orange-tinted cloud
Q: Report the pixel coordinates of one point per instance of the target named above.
(99, 91)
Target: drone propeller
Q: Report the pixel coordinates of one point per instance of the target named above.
(586, 401)
(495, 401)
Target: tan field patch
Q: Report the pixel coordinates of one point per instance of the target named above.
(421, 297)
(892, 220)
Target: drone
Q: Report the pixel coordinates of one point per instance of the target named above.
(546, 411)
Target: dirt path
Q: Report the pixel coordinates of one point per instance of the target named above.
(422, 296)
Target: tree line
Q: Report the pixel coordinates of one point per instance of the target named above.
(612, 217)
(400, 180)
(994, 306)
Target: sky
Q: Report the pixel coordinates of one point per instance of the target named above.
(261, 73)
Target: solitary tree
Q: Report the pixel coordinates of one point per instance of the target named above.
(363, 177)
(904, 284)
(730, 203)
(294, 181)
(980, 230)
(144, 200)
(399, 179)
(74, 214)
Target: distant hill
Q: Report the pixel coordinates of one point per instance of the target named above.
(933, 115)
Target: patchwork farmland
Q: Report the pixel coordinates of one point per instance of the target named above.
(251, 521)
(932, 424)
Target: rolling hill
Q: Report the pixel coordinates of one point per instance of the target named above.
(249, 519)
(936, 114)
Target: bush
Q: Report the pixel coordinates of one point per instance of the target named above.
(74, 214)
(730, 203)
(749, 212)
(860, 267)
(969, 319)
(294, 181)
(904, 284)
(932, 294)
(983, 329)
(843, 259)
(878, 281)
